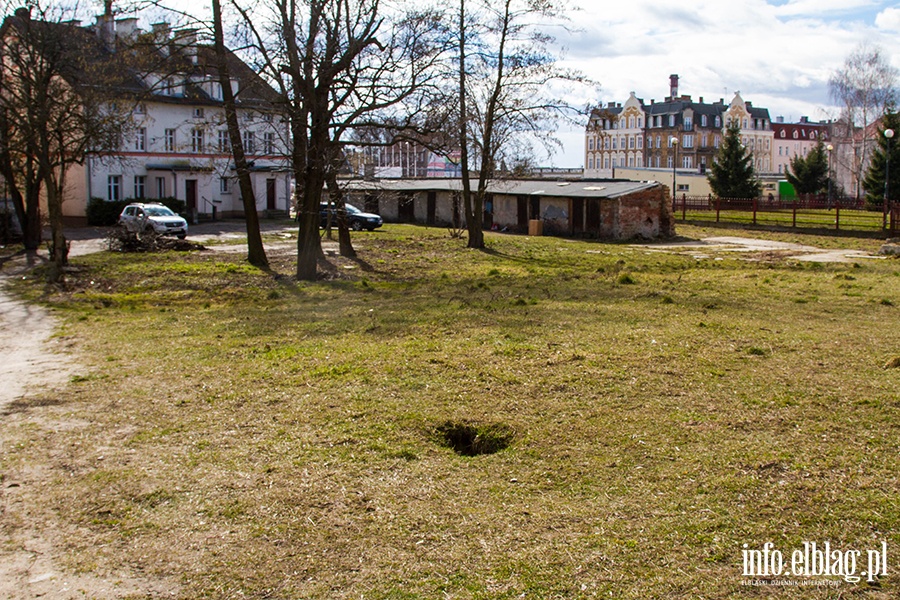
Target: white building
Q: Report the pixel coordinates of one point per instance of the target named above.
(179, 146)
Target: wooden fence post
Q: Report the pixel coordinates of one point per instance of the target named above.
(683, 207)
(794, 211)
(837, 215)
(718, 206)
(754, 211)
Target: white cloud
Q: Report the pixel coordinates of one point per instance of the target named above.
(820, 8)
(888, 19)
(777, 61)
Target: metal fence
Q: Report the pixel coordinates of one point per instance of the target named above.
(811, 212)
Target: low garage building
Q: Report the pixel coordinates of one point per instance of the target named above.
(605, 209)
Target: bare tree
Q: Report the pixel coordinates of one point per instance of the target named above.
(54, 109)
(505, 91)
(864, 88)
(341, 65)
(256, 253)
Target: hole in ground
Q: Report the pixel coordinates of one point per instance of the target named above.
(471, 439)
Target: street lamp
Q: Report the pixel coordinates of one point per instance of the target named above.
(674, 142)
(888, 133)
(830, 148)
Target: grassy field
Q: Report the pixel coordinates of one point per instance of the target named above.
(247, 436)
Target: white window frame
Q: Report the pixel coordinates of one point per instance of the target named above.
(114, 188)
(170, 140)
(140, 186)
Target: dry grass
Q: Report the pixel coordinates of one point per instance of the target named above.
(251, 437)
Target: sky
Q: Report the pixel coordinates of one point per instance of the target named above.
(778, 54)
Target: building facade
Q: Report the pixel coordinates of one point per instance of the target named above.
(175, 142)
(795, 139)
(678, 132)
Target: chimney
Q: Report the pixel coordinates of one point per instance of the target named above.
(701, 99)
(673, 86)
(106, 31)
(160, 33)
(126, 29)
(779, 119)
(186, 41)
(804, 119)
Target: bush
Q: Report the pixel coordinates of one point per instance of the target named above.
(106, 212)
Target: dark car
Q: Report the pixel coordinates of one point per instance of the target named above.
(357, 220)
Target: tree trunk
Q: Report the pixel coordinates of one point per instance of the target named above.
(463, 125)
(59, 246)
(256, 253)
(345, 244)
(309, 244)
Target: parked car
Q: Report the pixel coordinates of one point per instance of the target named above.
(357, 220)
(138, 218)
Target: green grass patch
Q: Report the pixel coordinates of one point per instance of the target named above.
(441, 422)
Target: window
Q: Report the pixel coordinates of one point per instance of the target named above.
(590, 143)
(683, 187)
(795, 134)
(615, 142)
(170, 87)
(687, 162)
(640, 123)
(630, 122)
(631, 161)
(782, 133)
(631, 142)
(114, 188)
(591, 162)
(198, 113)
(703, 121)
(606, 163)
(688, 123)
(640, 142)
(705, 140)
(196, 141)
(718, 122)
(139, 109)
(267, 117)
(670, 141)
(140, 182)
(658, 141)
(249, 142)
(671, 120)
(640, 161)
(170, 140)
(140, 140)
(225, 185)
(606, 143)
(248, 117)
(217, 90)
(688, 141)
(160, 187)
(745, 122)
(269, 142)
(717, 141)
(669, 162)
(224, 142)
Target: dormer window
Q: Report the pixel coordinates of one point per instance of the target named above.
(198, 113)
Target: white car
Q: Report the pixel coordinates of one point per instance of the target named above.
(140, 218)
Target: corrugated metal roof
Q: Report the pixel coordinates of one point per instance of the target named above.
(606, 188)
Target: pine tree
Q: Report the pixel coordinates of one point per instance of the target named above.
(809, 174)
(731, 174)
(873, 184)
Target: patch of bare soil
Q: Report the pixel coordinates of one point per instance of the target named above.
(34, 363)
